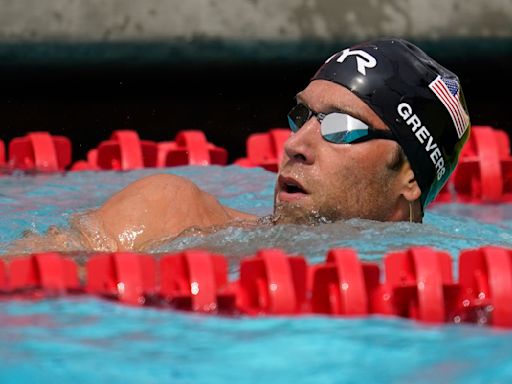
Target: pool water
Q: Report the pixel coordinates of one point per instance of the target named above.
(86, 340)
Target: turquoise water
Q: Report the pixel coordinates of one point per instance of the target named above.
(85, 340)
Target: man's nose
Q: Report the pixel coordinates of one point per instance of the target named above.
(300, 146)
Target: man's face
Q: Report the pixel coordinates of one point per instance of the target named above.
(322, 181)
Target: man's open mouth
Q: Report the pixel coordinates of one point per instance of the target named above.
(291, 186)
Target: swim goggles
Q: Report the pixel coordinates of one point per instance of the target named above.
(335, 127)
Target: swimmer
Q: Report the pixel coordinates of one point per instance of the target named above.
(376, 134)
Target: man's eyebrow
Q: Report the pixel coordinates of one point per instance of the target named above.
(329, 108)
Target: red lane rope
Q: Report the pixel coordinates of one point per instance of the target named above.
(416, 283)
(484, 173)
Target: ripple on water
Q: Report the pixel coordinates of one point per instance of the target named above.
(60, 340)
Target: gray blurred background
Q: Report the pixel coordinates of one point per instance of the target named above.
(83, 68)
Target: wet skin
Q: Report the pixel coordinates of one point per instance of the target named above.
(317, 181)
(341, 181)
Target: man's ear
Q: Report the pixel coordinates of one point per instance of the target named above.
(410, 188)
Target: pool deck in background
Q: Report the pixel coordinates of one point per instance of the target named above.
(157, 20)
(131, 32)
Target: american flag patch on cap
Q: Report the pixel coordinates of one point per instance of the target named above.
(447, 91)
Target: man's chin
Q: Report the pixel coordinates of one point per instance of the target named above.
(290, 213)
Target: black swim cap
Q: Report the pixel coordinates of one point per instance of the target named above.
(420, 101)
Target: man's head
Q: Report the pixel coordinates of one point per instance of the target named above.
(406, 124)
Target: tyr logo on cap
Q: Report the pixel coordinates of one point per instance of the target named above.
(364, 60)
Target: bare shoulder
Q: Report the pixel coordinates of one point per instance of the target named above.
(157, 197)
(157, 207)
(156, 189)
(167, 179)
(163, 182)
(146, 211)
(174, 189)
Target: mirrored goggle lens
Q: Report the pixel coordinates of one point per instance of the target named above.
(341, 128)
(298, 116)
(338, 128)
(335, 127)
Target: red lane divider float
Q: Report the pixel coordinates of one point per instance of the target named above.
(416, 283)
(127, 277)
(191, 148)
(272, 282)
(39, 275)
(265, 149)
(485, 278)
(4, 287)
(484, 172)
(125, 151)
(40, 151)
(2, 154)
(91, 164)
(193, 281)
(421, 284)
(343, 285)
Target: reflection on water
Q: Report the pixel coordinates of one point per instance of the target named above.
(90, 341)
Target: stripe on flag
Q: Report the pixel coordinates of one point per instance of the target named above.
(452, 104)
